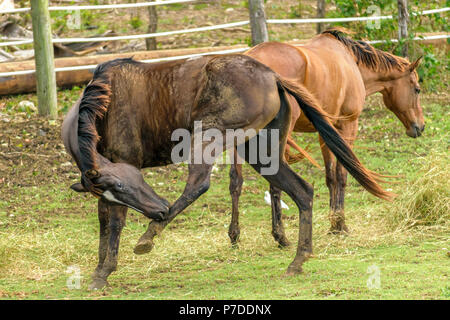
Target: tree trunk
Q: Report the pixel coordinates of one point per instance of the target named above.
(152, 26)
(320, 14)
(403, 19)
(258, 22)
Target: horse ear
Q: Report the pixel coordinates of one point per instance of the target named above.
(414, 65)
(78, 187)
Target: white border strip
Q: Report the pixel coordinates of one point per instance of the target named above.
(102, 6)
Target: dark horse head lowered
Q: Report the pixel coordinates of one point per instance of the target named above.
(119, 183)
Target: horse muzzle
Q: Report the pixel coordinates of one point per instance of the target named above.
(161, 213)
(415, 130)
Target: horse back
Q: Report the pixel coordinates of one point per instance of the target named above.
(148, 102)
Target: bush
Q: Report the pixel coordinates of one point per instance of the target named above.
(429, 71)
(135, 22)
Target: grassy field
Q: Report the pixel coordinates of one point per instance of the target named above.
(47, 230)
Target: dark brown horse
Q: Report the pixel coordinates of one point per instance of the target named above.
(340, 73)
(128, 112)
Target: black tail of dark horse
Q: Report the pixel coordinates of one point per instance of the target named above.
(332, 138)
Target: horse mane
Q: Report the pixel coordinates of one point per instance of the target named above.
(365, 54)
(93, 107)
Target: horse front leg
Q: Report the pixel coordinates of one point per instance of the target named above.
(103, 219)
(197, 184)
(109, 242)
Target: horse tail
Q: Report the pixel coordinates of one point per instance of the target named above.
(342, 151)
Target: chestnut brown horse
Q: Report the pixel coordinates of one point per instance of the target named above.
(340, 73)
(127, 114)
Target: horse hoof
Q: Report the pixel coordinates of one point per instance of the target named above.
(234, 239)
(98, 284)
(339, 230)
(143, 246)
(283, 242)
(293, 270)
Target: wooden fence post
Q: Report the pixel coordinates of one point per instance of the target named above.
(320, 14)
(258, 21)
(43, 57)
(403, 19)
(152, 26)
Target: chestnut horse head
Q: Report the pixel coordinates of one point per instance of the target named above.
(401, 96)
(395, 77)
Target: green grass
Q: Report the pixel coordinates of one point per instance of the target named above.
(46, 228)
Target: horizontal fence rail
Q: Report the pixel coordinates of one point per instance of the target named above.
(101, 6)
(230, 51)
(350, 19)
(132, 37)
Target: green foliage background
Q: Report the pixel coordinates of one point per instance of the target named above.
(430, 69)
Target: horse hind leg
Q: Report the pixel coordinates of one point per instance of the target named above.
(336, 217)
(286, 180)
(337, 181)
(236, 182)
(278, 232)
(302, 193)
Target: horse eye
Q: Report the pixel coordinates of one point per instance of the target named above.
(119, 185)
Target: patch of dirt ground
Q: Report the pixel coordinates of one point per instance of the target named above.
(31, 150)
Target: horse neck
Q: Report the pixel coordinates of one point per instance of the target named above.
(377, 81)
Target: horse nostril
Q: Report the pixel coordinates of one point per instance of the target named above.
(417, 131)
(158, 216)
(166, 204)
